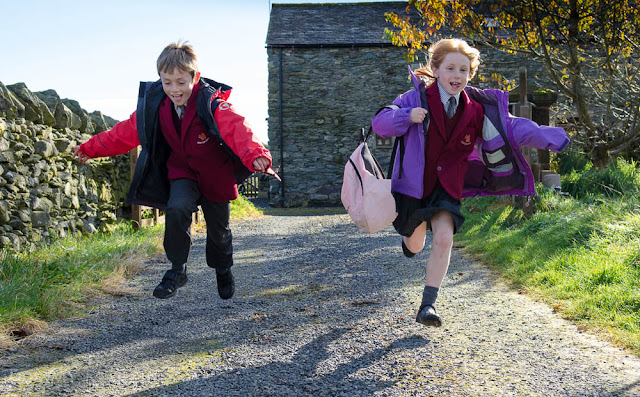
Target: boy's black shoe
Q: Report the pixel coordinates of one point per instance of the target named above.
(406, 251)
(170, 283)
(226, 284)
(427, 316)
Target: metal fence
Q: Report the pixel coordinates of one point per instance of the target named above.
(249, 188)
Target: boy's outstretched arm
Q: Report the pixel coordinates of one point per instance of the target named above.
(237, 134)
(120, 139)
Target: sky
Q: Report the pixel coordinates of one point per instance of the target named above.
(97, 52)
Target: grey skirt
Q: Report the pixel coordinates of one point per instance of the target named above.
(412, 212)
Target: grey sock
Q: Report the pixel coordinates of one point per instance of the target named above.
(429, 296)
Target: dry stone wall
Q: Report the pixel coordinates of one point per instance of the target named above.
(44, 192)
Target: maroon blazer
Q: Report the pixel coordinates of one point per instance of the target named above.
(196, 154)
(446, 156)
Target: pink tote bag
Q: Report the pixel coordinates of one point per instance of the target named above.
(366, 194)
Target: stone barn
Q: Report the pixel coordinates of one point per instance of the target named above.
(330, 70)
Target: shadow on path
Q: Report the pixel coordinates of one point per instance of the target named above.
(305, 372)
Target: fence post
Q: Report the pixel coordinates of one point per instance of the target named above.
(523, 109)
(136, 211)
(543, 99)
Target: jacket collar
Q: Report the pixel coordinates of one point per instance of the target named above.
(437, 113)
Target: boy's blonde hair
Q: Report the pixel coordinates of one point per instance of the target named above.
(439, 50)
(179, 56)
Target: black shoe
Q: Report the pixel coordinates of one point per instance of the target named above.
(406, 251)
(170, 283)
(427, 316)
(226, 285)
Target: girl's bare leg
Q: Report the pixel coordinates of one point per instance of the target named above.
(415, 243)
(437, 266)
(438, 262)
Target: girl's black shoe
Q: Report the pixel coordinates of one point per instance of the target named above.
(427, 316)
(406, 251)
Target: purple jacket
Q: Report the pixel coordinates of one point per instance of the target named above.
(496, 167)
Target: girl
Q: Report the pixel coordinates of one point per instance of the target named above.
(438, 125)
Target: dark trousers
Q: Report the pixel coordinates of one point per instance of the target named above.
(184, 198)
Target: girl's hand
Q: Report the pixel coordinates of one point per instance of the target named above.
(261, 164)
(82, 158)
(418, 114)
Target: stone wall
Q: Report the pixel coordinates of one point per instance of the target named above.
(44, 192)
(328, 94)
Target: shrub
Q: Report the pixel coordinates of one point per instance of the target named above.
(571, 160)
(620, 178)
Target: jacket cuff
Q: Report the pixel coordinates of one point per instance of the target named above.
(253, 154)
(88, 147)
(402, 118)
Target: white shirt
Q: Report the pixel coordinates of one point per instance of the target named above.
(444, 97)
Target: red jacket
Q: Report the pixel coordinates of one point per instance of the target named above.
(446, 157)
(195, 154)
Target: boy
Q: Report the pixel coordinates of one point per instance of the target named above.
(189, 157)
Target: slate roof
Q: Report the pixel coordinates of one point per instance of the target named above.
(330, 24)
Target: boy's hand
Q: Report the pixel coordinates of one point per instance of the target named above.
(261, 164)
(418, 114)
(82, 158)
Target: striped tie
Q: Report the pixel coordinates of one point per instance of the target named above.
(180, 111)
(451, 107)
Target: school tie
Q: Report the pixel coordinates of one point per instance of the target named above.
(451, 107)
(180, 111)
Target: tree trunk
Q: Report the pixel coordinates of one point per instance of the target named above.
(600, 156)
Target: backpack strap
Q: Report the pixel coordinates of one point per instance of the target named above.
(398, 145)
(371, 164)
(398, 142)
(206, 111)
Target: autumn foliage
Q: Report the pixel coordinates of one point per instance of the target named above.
(589, 48)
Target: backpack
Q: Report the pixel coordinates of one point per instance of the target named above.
(206, 111)
(366, 194)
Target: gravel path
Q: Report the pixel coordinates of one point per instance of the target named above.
(320, 309)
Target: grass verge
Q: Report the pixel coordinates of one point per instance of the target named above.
(581, 257)
(60, 279)
(63, 278)
(242, 208)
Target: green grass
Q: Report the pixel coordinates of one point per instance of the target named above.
(58, 280)
(580, 256)
(61, 279)
(242, 208)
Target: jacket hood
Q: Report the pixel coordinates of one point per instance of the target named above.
(222, 91)
(417, 81)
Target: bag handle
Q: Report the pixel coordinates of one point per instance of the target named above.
(365, 135)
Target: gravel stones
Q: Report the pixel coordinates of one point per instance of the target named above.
(320, 309)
